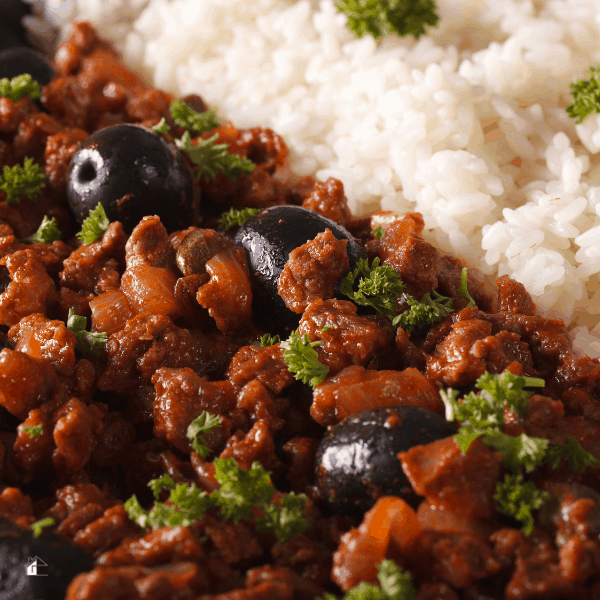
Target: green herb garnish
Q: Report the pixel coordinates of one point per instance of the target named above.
(379, 286)
(27, 180)
(586, 96)
(188, 118)
(20, 86)
(378, 232)
(381, 17)
(430, 310)
(236, 218)
(35, 431)
(94, 226)
(161, 128)
(395, 585)
(46, 233)
(268, 340)
(87, 342)
(517, 499)
(303, 360)
(241, 490)
(213, 158)
(40, 525)
(204, 423)
(577, 458)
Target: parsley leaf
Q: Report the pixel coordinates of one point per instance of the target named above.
(378, 232)
(284, 517)
(380, 17)
(577, 458)
(186, 504)
(188, 118)
(517, 451)
(19, 86)
(478, 413)
(204, 423)
(87, 342)
(268, 340)
(303, 360)
(35, 431)
(161, 128)
(378, 287)
(241, 489)
(328, 327)
(40, 525)
(463, 291)
(94, 226)
(518, 499)
(586, 96)
(395, 585)
(27, 180)
(424, 313)
(46, 233)
(233, 217)
(213, 158)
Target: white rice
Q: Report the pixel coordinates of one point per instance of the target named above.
(436, 126)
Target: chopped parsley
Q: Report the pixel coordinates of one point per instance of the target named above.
(234, 217)
(204, 423)
(161, 128)
(586, 96)
(268, 340)
(27, 180)
(87, 342)
(378, 232)
(328, 327)
(188, 118)
(381, 17)
(430, 310)
(94, 226)
(40, 525)
(379, 286)
(482, 416)
(19, 86)
(577, 458)
(395, 585)
(241, 491)
(46, 233)
(35, 431)
(482, 412)
(303, 360)
(518, 498)
(213, 158)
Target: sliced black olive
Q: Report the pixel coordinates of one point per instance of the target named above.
(40, 568)
(12, 32)
(269, 237)
(357, 459)
(133, 173)
(17, 61)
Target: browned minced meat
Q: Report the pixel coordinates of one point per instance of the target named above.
(181, 339)
(312, 270)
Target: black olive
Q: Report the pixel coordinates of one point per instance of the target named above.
(17, 61)
(269, 237)
(357, 461)
(12, 32)
(133, 173)
(55, 562)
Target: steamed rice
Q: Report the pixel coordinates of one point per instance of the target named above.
(466, 125)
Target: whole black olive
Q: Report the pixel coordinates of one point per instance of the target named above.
(12, 32)
(357, 459)
(269, 237)
(40, 568)
(133, 173)
(17, 61)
